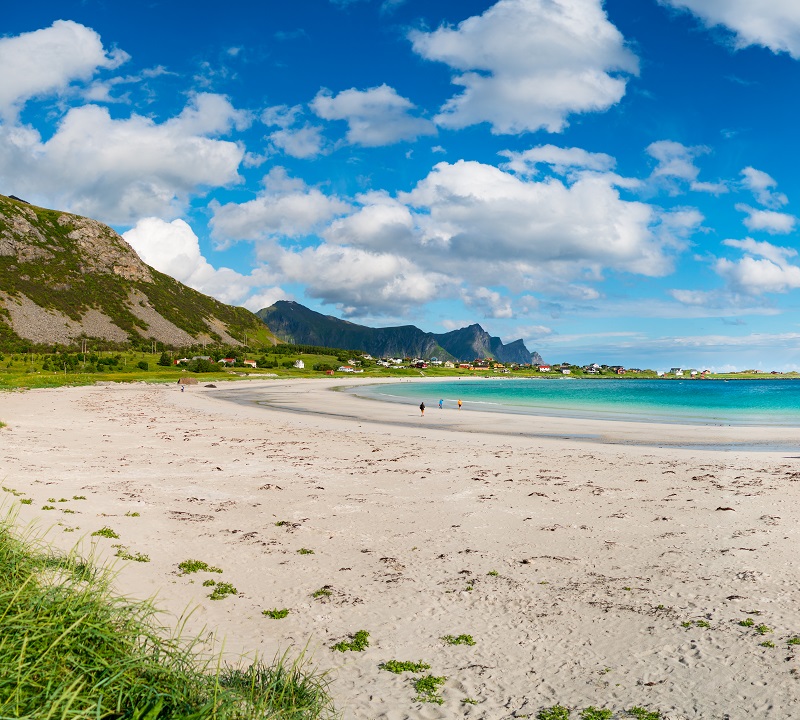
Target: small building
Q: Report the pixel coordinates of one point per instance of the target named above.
(230, 362)
(566, 371)
(182, 361)
(251, 363)
(544, 368)
(329, 372)
(449, 364)
(299, 364)
(346, 368)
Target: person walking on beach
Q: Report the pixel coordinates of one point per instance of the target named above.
(422, 408)
(441, 404)
(459, 403)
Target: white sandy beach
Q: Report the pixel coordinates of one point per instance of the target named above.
(604, 537)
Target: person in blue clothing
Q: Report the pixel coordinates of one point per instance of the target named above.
(441, 404)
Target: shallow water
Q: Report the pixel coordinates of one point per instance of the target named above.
(694, 402)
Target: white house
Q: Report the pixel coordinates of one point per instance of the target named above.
(299, 364)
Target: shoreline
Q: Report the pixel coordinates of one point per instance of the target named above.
(283, 395)
(588, 573)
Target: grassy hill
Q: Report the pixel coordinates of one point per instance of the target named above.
(64, 277)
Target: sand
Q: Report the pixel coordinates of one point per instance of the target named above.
(592, 563)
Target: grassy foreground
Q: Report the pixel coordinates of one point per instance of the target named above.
(70, 649)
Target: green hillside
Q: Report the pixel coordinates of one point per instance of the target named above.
(64, 277)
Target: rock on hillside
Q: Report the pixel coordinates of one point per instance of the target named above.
(64, 277)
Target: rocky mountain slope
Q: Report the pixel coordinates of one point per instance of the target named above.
(65, 277)
(293, 322)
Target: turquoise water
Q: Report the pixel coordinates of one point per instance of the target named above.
(702, 402)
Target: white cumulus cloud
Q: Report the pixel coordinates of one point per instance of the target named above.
(560, 159)
(526, 65)
(119, 170)
(174, 249)
(775, 223)
(361, 282)
(763, 188)
(377, 116)
(285, 207)
(765, 268)
(773, 24)
(47, 61)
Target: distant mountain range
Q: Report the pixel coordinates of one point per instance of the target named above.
(295, 323)
(65, 277)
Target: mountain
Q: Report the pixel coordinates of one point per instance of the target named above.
(65, 277)
(293, 322)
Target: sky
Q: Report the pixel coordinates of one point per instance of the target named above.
(613, 182)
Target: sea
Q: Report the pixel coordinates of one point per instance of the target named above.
(773, 402)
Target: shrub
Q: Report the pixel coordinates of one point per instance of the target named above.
(397, 666)
(143, 365)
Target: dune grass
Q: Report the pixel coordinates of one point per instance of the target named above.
(71, 649)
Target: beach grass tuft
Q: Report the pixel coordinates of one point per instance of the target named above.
(192, 566)
(359, 641)
(458, 639)
(427, 688)
(276, 614)
(400, 666)
(106, 532)
(641, 713)
(69, 647)
(222, 590)
(593, 713)
(556, 712)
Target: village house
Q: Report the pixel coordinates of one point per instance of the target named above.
(250, 363)
(346, 368)
(543, 368)
(449, 364)
(230, 362)
(299, 364)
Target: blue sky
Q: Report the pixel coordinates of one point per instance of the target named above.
(611, 181)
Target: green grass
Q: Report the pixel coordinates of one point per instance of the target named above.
(26, 501)
(276, 614)
(323, 592)
(641, 713)
(222, 590)
(70, 649)
(767, 644)
(131, 514)
(763, 629)
(400, 666)
(105, 532)
(358, 642)
(793, 641)
(427, 689)
(747, 622)
(593, 713)
(192, 566)
(556, 712)
(122, 552)
(458, 639)
(305, 551)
